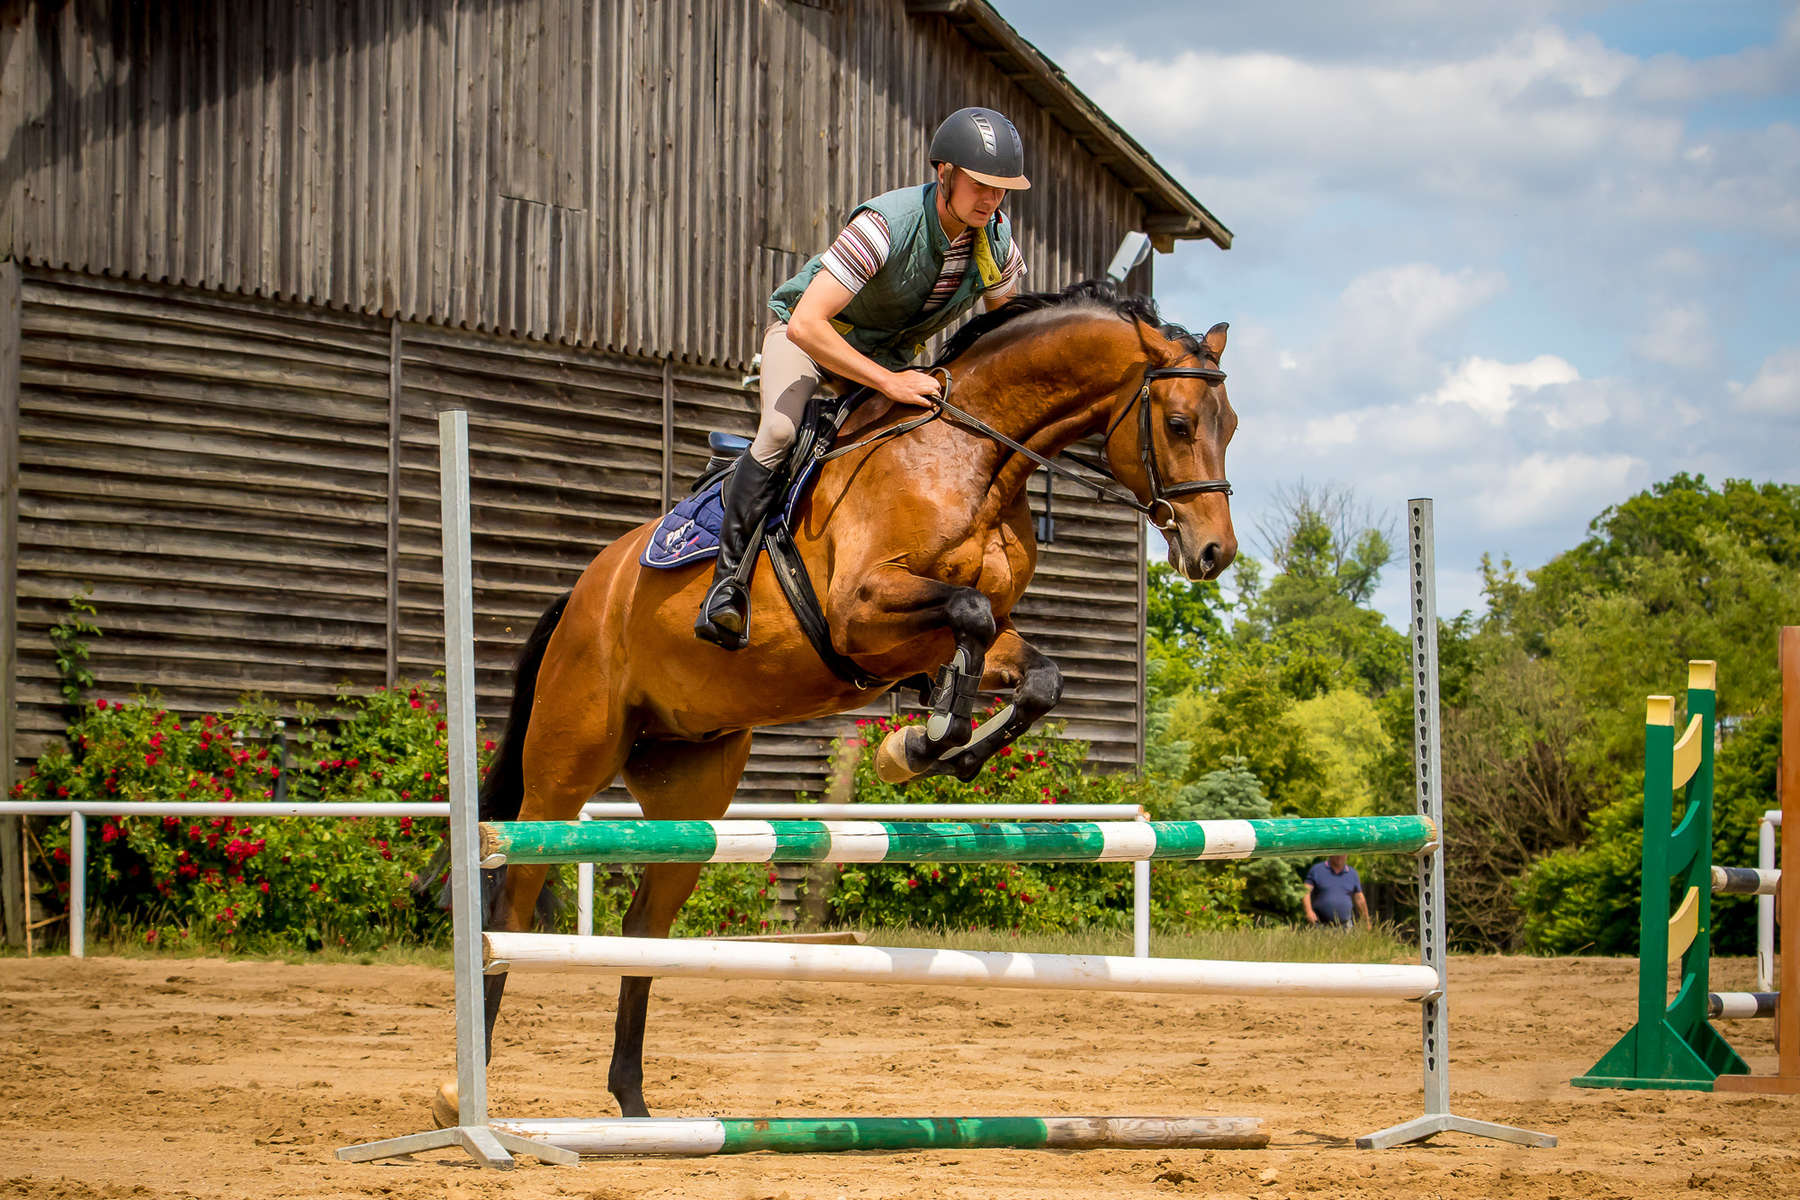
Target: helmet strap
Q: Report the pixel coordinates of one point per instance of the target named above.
(947, 186)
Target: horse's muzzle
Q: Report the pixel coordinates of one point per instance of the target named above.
(1209, 562)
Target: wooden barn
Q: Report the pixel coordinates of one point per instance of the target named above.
(252, 248)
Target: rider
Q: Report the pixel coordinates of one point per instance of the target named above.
(908, 264)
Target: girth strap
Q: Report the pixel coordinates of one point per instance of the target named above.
(796, 585)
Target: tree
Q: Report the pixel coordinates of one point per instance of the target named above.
(1345, 731)
(1182, 612)
(1326, 541)
(1329, 560)
(1547, 748)
(1249, 717)
(1672, 519)
(1232, 792)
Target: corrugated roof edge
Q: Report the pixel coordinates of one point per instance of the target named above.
(1174, 212)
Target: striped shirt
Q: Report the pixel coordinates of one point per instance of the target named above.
(859, 252)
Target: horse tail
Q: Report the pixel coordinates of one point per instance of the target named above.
(503, 791)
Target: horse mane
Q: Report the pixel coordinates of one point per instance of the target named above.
(1091, 293)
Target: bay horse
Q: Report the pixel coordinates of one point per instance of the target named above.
(920, 545)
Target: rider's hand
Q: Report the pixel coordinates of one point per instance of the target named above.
(915, 388)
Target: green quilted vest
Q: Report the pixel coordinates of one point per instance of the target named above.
(883, 320)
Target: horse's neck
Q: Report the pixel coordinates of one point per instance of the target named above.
(1022, 393)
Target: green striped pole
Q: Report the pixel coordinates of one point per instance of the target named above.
(706, 1136)
(943, 841)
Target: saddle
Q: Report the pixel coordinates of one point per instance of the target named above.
(689, 533)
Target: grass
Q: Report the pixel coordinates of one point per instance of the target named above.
(1263, 944)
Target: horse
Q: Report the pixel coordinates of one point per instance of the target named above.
(923, 543)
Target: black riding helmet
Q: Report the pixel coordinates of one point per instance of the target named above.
(983, 143)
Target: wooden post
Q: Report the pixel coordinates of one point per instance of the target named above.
(396, 347)
(668, 434)
(1786, 1079)
(13, 863)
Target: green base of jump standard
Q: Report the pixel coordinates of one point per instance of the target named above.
(1665, 1059)
(835, 1135)
(943, 841)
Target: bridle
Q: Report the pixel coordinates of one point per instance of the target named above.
(1160, 493)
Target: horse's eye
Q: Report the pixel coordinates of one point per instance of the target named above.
(1179, 427)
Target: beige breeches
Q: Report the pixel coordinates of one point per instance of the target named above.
(789, 380)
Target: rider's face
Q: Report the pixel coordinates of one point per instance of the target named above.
(969, 200)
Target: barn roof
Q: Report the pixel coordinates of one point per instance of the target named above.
(1173, 213)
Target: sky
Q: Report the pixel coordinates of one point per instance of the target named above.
(1525, 258)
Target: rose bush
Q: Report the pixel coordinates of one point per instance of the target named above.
(288, 882)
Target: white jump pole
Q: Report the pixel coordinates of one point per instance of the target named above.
(702, 958)
(1765, 905)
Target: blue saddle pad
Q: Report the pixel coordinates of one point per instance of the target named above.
(690, 531)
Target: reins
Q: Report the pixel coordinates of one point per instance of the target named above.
(1160, 494)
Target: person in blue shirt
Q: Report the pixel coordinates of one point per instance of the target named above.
(1334, 893)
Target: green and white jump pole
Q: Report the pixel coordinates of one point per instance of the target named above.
(505, 842)
(489, 1141)
(700, 1136)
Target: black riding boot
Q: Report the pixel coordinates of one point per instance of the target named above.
(750, 493)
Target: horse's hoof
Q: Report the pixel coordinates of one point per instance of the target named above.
(444, 1107)
(892, 763)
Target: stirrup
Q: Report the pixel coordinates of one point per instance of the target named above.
(718, 612)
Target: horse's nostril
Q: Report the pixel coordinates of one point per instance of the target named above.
(1209, 557)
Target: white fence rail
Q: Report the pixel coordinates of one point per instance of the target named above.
(78, 811)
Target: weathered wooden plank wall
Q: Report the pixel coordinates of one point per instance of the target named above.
(216, 471)
(625, 175)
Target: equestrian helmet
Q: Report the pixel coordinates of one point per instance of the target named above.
(984, 144)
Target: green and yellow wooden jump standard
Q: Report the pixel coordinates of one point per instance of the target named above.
(1673, 1046)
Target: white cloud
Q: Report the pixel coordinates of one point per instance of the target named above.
(1544, 487)
(1776, 388)
(1386, 325)
(1413, 299)
(1491, 388)
(1527, 99)
(1583, 404)
(1755, 71)
(1543, 117)
(1680, 335)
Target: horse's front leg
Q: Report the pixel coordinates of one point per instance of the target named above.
(892, 606)
(1037, 686)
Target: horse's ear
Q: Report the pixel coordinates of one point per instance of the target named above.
(1214, 341)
